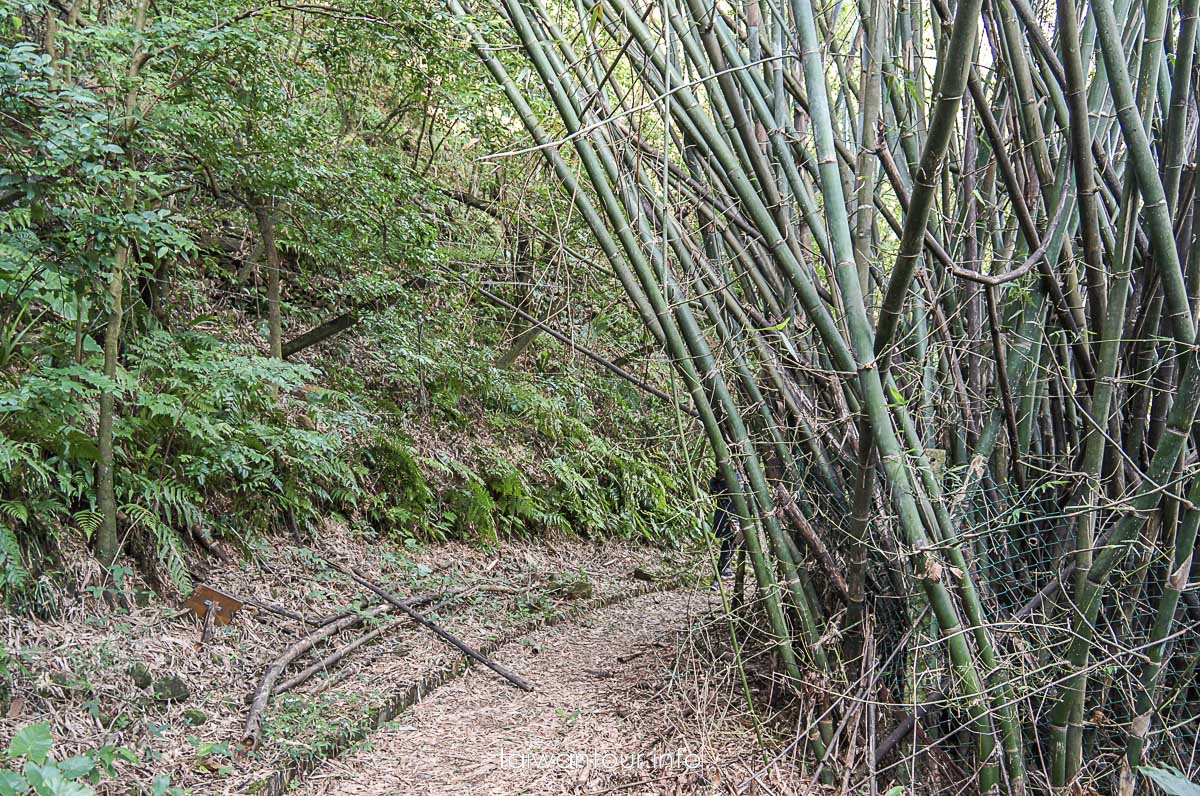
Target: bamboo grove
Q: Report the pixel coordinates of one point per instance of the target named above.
(929, 275)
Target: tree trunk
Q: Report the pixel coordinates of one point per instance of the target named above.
(523, 270)
(107, 543)
(264, 214)
(107, 547)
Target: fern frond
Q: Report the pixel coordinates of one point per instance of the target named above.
(168, 550)
(88, 521)
(14, 509)
(15, 573)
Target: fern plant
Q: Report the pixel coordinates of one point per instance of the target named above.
(468, 507)
(518, 509)
(579, 497)
(472, 512)
(400, 498)
(168, 547)
(12, 567)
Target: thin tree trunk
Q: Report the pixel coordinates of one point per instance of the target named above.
(264, 214)
(107, 543)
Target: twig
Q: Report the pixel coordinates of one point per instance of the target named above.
(832, 571)
(332, 681)
(279, 610)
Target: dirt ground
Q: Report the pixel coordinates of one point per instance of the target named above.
(627, 700)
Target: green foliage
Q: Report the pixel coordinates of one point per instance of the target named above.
(518, 510)
(212, 755)
(201, 422)
(32, 742)
(13, 663)
(168, 547)
(214, 408)
(400, 499)
(471, 510)
(1172, 781)
(596, 491)
(31, 767)
(547, 414)
(595, 487)
(603, 489)
(14, 570)
(317, 725)
(333, 132)
(334, 188)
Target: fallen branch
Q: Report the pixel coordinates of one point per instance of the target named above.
(297, 767)
(279, 610)
(442, 633)
(318, 333)
(337, 324)
(911, 723)
(329, 683)
(313, 621)
(337, 655)
(333, 658)
(266, 686)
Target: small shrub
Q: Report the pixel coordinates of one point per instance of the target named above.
(471, 511)
(402, 498)
(30, 767)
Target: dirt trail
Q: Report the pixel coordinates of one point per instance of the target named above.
(614, 711)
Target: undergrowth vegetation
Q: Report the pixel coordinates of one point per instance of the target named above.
(177, 197)
(532, 454)
(216, 443)
(202, 428)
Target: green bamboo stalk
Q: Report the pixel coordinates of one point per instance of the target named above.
(695, 361)
(1089, 590)
(1174, 582)
(1081, 157)
(871, 386)
(800, 359)
(1174, 133)
(1141, 158)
